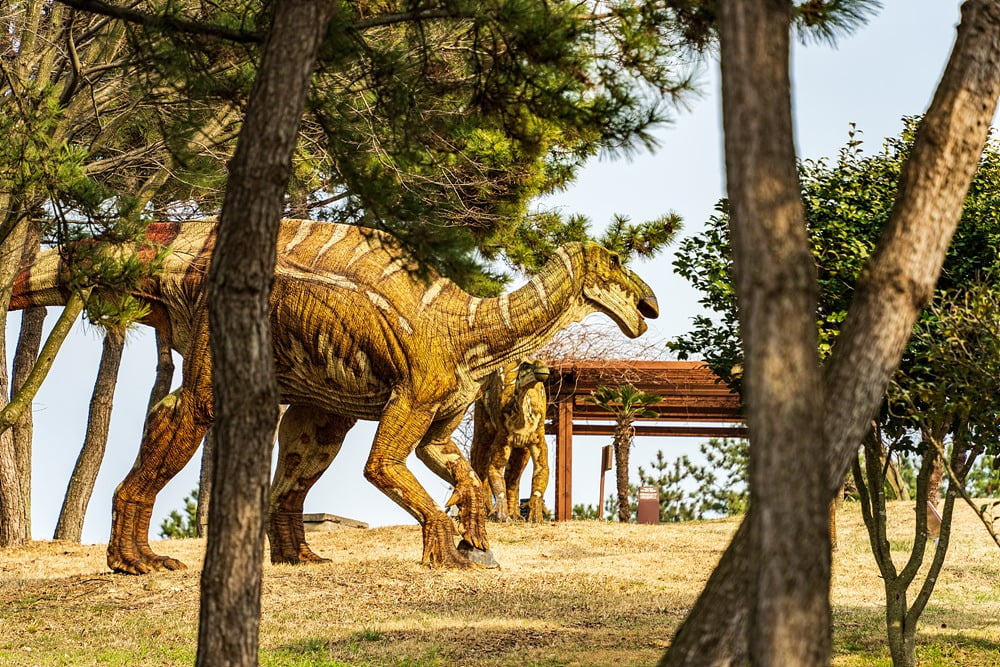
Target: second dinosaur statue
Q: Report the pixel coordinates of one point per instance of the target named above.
(509, 428)
(358, 333)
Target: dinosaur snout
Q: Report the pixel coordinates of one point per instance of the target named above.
(648, 307)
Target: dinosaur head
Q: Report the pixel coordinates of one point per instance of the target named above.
(531, 371)
(617, 291)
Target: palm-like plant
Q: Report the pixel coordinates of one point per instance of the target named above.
(627, 404)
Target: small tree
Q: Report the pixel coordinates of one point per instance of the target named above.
(953, 401)
(627, 404)
(182, 523)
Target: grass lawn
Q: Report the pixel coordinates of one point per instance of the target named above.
(575, 593)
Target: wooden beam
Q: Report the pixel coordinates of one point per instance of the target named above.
(693, 431)
(564, 461)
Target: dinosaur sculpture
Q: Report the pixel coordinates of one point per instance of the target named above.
(358, 333)
(510, 427)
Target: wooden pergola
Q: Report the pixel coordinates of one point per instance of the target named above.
(696, 403)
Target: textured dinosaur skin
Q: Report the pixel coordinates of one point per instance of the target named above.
(358, 333)
(509, 428)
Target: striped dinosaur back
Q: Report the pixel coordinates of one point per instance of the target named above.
(338, 255)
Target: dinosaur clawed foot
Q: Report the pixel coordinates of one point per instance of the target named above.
(536, 510)
(300, 556)
(502, 516)
(142, 564)
(468, 497)
(440, 550)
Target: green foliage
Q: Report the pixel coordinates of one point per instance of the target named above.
(585, 512)
(846, 206)
(626, 402)
(951, 386)
(984, 478)
(441, 122)
(689, 491)
(182, 523)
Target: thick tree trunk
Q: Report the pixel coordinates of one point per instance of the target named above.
(897, 283)
(88, 464)
(776, 289)
(240, 277)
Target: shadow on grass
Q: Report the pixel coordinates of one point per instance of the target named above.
(430, 647)
(860, 639)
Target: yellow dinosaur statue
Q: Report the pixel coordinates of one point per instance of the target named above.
(358, 333)
(510, 428)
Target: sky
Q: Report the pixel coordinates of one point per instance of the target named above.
(886, 70)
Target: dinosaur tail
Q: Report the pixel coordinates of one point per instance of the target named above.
(40, 282)
(43, 280)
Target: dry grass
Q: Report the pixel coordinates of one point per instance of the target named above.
(580, 593)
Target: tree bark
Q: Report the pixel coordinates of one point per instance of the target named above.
(776, 288)
(21, 402)
(240, 277)
(205, 481)
(622, 444)
(897, 282)
(88, 464)
(28, 343)
(15, 523)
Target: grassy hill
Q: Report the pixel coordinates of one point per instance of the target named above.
(575, 593)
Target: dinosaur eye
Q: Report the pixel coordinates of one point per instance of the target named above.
(615, 259)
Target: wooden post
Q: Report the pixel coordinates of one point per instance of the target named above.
(564, 460)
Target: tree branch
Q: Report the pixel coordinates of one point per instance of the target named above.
(168, 22)
(10, 414)
(242, 36)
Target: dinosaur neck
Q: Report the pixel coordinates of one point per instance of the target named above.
(511, 327)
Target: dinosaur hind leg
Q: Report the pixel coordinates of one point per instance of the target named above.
(308, 441)
(516, 464)
(539, 451)
(175, 428)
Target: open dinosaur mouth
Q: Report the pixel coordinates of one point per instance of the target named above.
(648, 307)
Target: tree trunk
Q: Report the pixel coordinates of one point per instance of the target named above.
(28, 343)
(22, 432)
(934, 483)
(240, 277)
(776, 287)
(88, 464)
(897, 282)
(894, 478)
(622, 444)
(205, 481)
(15, 523)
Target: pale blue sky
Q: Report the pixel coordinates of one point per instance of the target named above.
(885, 71)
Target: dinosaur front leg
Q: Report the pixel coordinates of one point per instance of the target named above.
(175, 428)
(399, 431)
(308, 441)
(440, 453)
